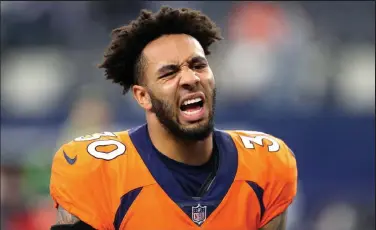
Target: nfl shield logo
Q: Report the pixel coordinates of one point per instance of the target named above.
(199, 214)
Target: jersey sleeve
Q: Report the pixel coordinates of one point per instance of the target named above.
(78, 184)
(282, 183)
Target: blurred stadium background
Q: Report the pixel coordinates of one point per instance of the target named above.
(302, 71)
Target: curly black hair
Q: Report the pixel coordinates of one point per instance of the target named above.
(123, 62)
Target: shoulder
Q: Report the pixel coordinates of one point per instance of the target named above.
(84, 171)
(83, 157)
(255, 140)
(268, 162)
(94, 149)
(104, 145)
(272, 151)
(88, 154)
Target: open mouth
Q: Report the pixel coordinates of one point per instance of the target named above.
(192, 106)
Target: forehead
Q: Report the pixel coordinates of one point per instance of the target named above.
(173, 48)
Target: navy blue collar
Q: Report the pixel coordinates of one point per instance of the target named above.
(228, 163)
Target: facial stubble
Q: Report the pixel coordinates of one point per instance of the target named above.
(166, 116)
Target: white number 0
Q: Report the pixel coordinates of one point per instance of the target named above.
(91, 148)
(248, 141)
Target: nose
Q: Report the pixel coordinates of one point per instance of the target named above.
(189, 79)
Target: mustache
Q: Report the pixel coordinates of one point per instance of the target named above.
(166, 105)
(167, 115)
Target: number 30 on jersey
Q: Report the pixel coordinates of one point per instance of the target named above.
(92, 147)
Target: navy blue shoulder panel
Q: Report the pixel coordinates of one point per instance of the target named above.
(260, 194)
(126, 202)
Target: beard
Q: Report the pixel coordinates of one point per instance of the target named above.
(166, 116)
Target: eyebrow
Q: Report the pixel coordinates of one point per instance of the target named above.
(174, 67)
(197, 59)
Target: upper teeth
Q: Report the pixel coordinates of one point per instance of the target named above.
(191, 101)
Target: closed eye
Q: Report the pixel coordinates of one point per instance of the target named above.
(198, 63)
(168, 70)
(168, 74)
(199, 66)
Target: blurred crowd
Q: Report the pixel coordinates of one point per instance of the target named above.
(303, 71)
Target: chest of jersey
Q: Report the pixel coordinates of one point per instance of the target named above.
(231, 202)
(153, 209)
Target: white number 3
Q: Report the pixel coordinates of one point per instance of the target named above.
(92, 147)
(249, 141)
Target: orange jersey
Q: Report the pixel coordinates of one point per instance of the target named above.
(114, 181)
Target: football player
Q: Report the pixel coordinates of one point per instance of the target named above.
(176, 171)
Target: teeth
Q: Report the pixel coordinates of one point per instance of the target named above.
(187, 102)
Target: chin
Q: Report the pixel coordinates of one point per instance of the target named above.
(195, 124)
(197, 131)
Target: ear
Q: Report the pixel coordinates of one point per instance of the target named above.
(142, 97)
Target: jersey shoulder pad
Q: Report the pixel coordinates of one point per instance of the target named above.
(267, 161)
(254, 140)
(266, 148)
(82, 172)
(85, 154)
(105, 145)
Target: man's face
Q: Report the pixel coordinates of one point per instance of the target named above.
(181, 86)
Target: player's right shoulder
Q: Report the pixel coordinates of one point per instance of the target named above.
(84, 176)
(102, 146)
(91, 149)
(86, 155)
(87, 158)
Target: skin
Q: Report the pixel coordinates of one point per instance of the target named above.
(160, 95)
(278, 223)
(64, 217)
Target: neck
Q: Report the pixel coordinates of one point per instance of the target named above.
(187, 152)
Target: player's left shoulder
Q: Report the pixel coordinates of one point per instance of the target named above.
(265, 147)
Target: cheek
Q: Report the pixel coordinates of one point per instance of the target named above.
(166, 94)
(169, 87)
(208, 79)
